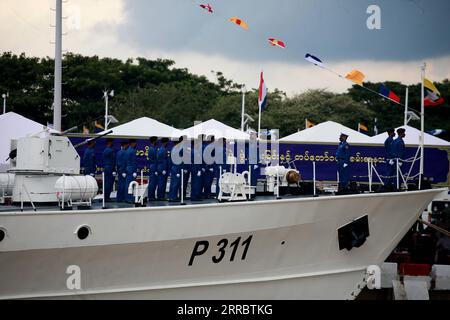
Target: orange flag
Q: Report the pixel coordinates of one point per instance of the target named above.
(362, 127)
(356, 77)
(309, 124)
(239, 22)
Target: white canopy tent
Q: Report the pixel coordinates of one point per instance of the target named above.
(327, 132)
(14, 126)
(145, 128)
(217, 129)
(413, 138)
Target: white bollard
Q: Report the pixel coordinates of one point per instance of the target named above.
(441, 275)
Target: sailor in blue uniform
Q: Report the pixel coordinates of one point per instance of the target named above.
(197, 170)
(209, 168)
(153, 169)
(109, 161)
(121, 161)
(399, 150)
(131, 169)
(187, 165)
(399, 145)
(253, 159)
(176, 166)
(389, 156)
(162, 156)
(221, 164)
(343, 158)
(89, 161)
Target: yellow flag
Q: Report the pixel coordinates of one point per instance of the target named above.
(356, 76)
(430, 85)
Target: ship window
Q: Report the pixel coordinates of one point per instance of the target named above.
(83, 232)
(354, 234)
(2, 235)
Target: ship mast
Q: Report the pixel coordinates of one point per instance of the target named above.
(58, 68)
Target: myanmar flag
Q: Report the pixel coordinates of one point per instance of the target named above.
(432, 95)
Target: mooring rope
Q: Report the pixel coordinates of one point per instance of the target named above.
(439, 229)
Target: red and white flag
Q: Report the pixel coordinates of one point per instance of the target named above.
(262, 96)
(277, 43)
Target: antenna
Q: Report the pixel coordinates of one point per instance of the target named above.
(108, 119)
(57, 104)
(244, 91)
(5, 96)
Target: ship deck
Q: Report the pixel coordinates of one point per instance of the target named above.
(98, 204)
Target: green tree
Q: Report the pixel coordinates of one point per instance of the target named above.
(155, 88)
(390, 114)
(29, 82)
(319, 106)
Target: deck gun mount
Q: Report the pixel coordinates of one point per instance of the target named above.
(37, 163)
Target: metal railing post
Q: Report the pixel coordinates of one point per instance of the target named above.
(141, 187)
(278, 187)
(314, 179)
(182, 188)
(64, 192)
(398, 175)
(250, 182)
(21, 198)
(369, 167)
(103, 189)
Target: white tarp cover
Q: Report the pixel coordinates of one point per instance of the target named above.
(327, 132)
(217, 129)
(145, 128)
(413, 138)
(14, 126)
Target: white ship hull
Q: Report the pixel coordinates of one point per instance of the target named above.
(287, 249)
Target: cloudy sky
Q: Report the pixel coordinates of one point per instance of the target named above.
(412, 31)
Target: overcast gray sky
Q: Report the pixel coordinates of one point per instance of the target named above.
(334, 28)
(412, 31)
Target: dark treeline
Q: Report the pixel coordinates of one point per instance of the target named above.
(156, 89)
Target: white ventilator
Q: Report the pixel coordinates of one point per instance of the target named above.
(6, 186)
(279, 176)
(138, 191)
